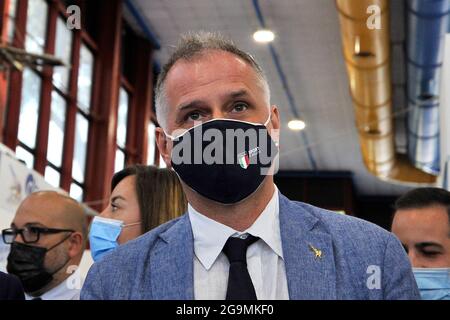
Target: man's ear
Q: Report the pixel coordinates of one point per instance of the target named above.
(75, 244)
(163, 146)
(274, 117)
(274, 128)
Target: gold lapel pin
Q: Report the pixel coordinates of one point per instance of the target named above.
(317, 252)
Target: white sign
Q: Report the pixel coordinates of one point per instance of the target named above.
(16, 183)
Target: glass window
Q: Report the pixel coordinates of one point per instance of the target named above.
(11, 19)
(119, 161)
(122, 119)
(79, 156)
(63, 50)
(56, 129)
(76, 192)
(151, 143)
(25, 156)
(85, 74)
(52, 176)
(36, 26)
(31, 91)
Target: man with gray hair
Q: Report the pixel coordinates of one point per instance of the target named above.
(241, 239)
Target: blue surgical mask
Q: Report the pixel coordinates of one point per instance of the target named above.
(433, 283)
(104, 234)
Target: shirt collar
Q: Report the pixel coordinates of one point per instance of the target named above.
(66, 290)
(210, 236)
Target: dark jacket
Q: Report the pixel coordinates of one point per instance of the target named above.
(10, 287)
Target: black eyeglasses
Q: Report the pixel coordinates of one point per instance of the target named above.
(29, 234)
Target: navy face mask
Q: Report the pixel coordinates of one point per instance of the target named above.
(224, 160)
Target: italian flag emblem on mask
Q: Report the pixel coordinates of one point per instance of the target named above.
(244, 161)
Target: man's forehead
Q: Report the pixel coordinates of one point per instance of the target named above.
(26, 216)
(188, 79)
(423, 221)
(425, 213)
(42, 209)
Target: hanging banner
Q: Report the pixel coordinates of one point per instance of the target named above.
(16, 182)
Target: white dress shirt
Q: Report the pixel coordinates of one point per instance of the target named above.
(264, 258)
(69, 289)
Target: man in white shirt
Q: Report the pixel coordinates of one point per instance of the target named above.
(241, 239)
(264, 258)
(47, 236)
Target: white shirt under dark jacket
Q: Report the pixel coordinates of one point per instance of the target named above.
(264, 257)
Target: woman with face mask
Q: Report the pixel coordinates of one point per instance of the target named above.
(142, 198)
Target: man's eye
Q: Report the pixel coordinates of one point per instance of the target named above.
(113, 207)
(240, 107)
(32, 230)
(194, 116)
(430, 253)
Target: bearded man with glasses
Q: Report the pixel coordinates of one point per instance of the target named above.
(47, 236)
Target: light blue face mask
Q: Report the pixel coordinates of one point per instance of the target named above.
(103, 235)
(433, 283)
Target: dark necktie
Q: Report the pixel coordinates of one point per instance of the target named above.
(240, 286)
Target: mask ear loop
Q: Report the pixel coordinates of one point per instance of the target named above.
(67, 261)
(268, 119)
(57, 244)
(131, 224)
(265, 125)
(168, 135)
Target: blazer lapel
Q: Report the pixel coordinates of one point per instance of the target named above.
(308, 254)
(171, 263)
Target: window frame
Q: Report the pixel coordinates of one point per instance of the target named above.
(105, 43)
(56, 10)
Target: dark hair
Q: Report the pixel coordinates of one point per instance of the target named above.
(422, 198)
(159, 194)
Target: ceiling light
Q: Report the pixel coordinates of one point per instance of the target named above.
(296, 125)
(263, 36)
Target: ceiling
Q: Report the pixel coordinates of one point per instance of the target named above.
(308, 45)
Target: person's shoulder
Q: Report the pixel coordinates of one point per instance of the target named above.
(3, 277)
(361, 250)
(11, 288)
(136, 249)
(344, 227)
(114, 276)
(8, 280)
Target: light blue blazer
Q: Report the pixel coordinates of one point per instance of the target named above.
(358, 260)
